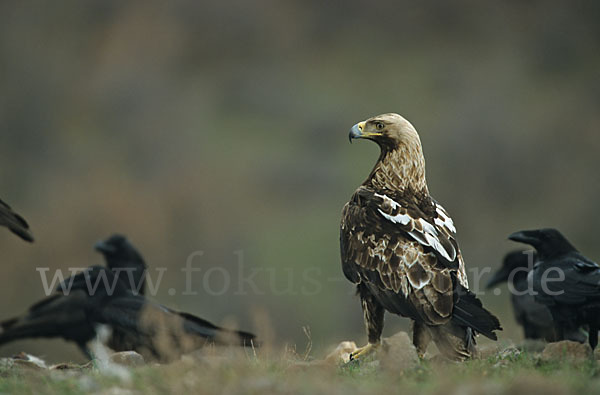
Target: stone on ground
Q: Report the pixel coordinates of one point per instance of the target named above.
(568, 351)
(532, 345)
(341, 354)
(127, 358)
(398, 353)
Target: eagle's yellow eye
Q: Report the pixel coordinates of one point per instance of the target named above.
(378, 125)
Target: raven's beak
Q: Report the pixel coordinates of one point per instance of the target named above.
(524, 236)
(357, 131)
(103, 247)
(497, 278)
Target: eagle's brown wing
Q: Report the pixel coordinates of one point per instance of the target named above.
(14, 222)
(405, 252)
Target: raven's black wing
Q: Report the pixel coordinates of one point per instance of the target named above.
(14, 222)
(55, 316)
(571, 279)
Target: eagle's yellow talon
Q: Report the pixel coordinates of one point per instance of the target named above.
(363, 351)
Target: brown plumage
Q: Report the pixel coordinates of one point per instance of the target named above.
(398, 245)
(14, 222)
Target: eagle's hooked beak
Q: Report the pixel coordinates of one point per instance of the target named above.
(356, 131)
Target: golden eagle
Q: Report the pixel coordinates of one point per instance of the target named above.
(398, 246)
(14, 222)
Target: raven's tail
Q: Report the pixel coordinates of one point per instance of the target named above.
(246, 339)
(469, 312)
(198, 326)
(8, 333)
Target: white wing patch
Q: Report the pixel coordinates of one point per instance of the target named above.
(429, 235)
(388, 200)
(434, 243)
(402, 219)
(444, 220)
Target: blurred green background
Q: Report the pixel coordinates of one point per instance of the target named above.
(222, 127)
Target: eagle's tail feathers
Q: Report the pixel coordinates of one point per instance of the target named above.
(469, 311)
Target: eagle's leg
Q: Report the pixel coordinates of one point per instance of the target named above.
(455, 342)
(373, 315)
(421, 337)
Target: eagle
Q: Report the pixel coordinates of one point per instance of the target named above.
(398, 245)
(14, 222)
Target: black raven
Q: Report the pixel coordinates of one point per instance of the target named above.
(120, 255)
(127, 263)
(535, 318)
(14, 222)
(97, 297)
(62, 314)
(565, 281)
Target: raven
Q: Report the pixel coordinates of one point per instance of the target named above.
(120, 255)
(535, 318)
(100, 297)
(565, 281)
(14, 222)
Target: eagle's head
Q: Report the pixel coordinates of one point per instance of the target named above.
(401, 164)
(388, 130)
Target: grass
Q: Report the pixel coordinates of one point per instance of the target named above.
(507, 372)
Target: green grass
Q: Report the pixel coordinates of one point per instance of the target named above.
(506, 372)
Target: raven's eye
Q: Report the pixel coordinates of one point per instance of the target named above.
(378, 125)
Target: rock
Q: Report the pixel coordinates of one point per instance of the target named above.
(341, 354)
(398, 353)
(127, 358)
(532, 346)
(23, 361)
(567, 351)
